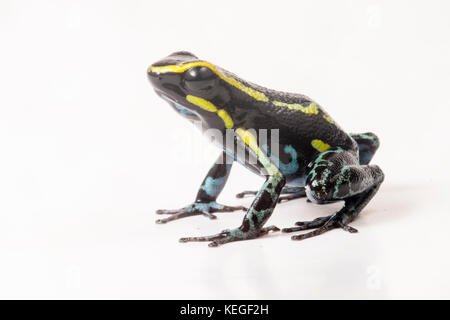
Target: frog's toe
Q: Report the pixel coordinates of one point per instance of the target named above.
(209, 207)
(163, 211)
(246, 193)
(231, 208)
(323, 229)
(268, 229)
(176, 215)
(209, 215)
(197, 208)
(227, 236)
(217, 207)
(292, 196)
(305, 225)
(322, 225)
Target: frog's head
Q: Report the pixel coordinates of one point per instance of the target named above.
(191, 86)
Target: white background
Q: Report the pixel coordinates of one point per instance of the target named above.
(88, 152)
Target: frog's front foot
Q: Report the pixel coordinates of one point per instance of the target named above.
(230, 235)
(198, 208)
(322, 225)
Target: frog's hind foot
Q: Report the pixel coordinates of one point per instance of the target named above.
(197, 208)
(322, 225)
(288, 193)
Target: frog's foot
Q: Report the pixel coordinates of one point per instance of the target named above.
(322, 225)
(230, 235)
(198, 208)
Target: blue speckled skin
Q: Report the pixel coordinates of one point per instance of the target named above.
(317, 158)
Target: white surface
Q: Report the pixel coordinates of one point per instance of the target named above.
(88, 151)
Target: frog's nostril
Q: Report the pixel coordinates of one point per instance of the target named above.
(152, 74)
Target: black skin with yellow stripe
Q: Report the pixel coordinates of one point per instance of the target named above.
(316, 157)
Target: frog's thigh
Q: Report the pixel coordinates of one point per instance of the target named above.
(337, 175)
(368, 144)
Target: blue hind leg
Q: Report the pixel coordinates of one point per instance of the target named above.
(368, 144)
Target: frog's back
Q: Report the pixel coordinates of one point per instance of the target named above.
(305, 129)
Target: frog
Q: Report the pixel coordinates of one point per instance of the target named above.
(315, 158)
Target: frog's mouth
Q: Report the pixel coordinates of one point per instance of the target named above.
(179, 108)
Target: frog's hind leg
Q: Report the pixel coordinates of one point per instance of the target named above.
(205, 203)
(368, 144)
(288, 193)
(337, 175)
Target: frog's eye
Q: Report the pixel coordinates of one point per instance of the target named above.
(200, 78)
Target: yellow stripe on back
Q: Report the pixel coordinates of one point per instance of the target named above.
(183, 67)
(312, 108)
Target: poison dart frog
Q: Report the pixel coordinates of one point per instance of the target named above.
(315, 158)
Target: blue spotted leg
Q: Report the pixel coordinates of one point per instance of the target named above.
(259, 212)
(337, 175)
(262, 206)
(205, 202)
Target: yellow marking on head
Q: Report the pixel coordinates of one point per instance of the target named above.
(312, 108)
(209, 106)
(328, 118)
(319, 145)
(179, 68)
(226, 118)
(202, 103)
(250, 140)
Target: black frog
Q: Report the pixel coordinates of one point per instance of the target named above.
(315, 157)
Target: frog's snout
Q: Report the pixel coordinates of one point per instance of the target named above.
(150, 71)
(153, 76)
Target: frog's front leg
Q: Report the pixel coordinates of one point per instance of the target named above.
(205, 202)
(252, 225)
(262, 206)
